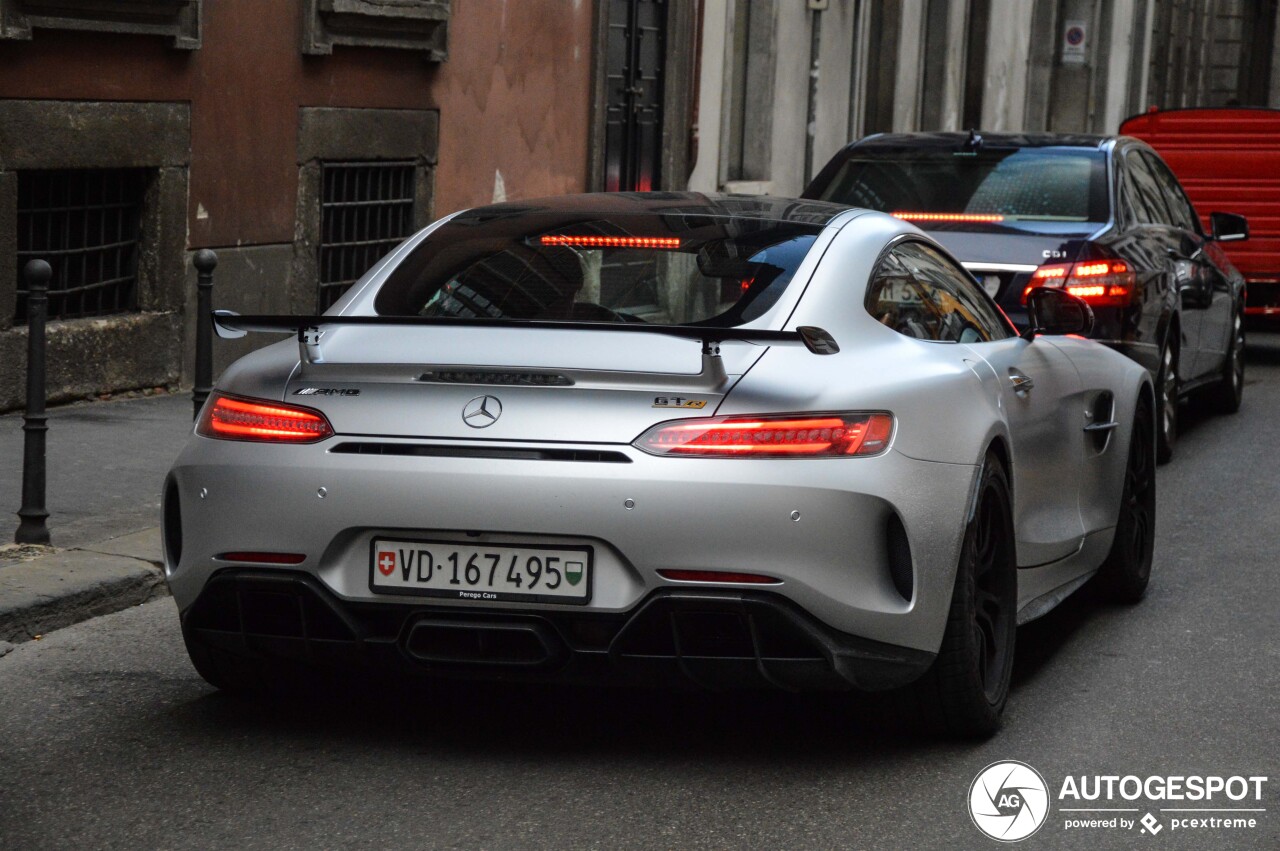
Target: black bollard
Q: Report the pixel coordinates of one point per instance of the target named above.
(32, 529)
(205, 262)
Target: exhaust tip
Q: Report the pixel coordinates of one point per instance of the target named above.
(519, 644)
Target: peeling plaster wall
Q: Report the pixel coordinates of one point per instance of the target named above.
(514, 95)
(517, 103)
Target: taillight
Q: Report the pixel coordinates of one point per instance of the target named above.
(263, 558)
(718, 576)
(1102, 283)
(593, 241)
(771, 437)
(988, 218)
(234, 418)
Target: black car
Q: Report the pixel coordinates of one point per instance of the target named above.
(1101, 216)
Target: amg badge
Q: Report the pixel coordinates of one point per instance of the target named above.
(327, 391)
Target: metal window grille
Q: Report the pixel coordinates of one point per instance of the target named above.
(86, 223)
(366, 209)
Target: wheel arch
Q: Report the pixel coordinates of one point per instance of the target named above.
(1170, 321)
(1147, 393)
(999, 446)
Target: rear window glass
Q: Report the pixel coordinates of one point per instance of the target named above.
(667, 269)
(1028, 184)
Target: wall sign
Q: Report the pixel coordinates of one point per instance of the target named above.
(1075, 42)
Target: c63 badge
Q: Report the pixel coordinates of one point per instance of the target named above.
(678, 402)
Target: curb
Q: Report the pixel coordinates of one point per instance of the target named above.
(63, 588)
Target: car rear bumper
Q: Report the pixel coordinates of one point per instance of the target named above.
(713, 639)
(824, 529)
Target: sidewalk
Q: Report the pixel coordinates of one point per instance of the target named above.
(44, 592)
(107, 462)
(106, 468)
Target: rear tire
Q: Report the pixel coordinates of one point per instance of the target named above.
(965, 690)
(1167, 392)
(224, 671)
(248, 677)
(1228, 393)
(1124, 574)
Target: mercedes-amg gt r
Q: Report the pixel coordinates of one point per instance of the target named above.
(635, 438)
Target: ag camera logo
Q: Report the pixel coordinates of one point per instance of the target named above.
(1008, 801)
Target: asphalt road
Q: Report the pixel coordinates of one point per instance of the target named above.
(109, 739)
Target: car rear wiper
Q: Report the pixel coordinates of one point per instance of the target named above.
(231, 325)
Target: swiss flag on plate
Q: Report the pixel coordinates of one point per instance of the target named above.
(386, 562)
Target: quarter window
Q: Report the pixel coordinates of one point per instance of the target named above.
(1129, 210)
(919, 293)
(1180, 209)
(1148, 199)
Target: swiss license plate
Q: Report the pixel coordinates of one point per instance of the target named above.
(481, 572)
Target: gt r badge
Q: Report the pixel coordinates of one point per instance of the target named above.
(482, 411)
(326, 391)
(678, 402)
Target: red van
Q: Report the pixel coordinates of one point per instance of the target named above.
(1228, 160)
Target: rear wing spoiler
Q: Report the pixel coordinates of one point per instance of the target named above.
(231, 325)
(310, 329)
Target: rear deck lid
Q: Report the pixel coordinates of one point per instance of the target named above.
(533, 385)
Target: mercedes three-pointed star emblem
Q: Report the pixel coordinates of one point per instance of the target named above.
(482, 411)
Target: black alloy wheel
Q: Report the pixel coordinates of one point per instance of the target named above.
(1228, 393)
(1167, 399)
(995, 592)
(1126, 571)
(965, 690)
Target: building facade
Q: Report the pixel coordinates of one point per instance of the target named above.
(784, 84)
(300, 139)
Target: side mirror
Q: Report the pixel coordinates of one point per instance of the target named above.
(1228, 227)
(1054, 311)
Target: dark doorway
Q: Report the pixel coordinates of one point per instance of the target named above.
(1255, 61)
(635, 51)
(975, 72)
(882, 56)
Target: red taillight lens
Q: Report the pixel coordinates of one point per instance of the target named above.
(263, 558)
(1102, 283)
(718, 576)
(592, 241)
(771, 437)
(233, 418)
(989, 218)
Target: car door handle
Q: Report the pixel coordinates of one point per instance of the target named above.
(1096, 427)
(1021, 383)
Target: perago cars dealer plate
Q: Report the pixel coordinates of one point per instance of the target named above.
(482, 572)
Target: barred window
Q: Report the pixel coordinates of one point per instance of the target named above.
(86, 224)
(366, 209)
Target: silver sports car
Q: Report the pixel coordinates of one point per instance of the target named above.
(659, 438)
